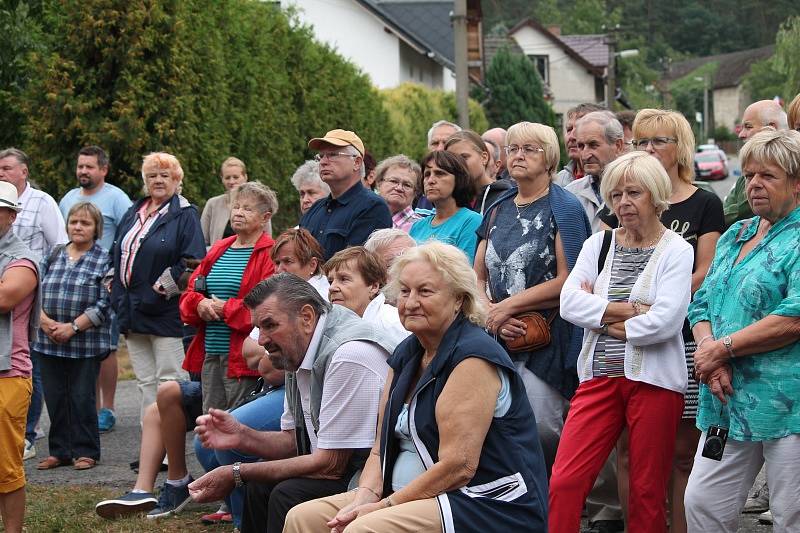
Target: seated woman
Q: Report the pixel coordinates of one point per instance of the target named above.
(309, 185)
(297, 252)
(448, 186)
(231, 268)
(632, 369)
(356, 277)
(746, 320)
(456, 434)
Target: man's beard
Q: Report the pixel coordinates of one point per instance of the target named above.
(85, 183)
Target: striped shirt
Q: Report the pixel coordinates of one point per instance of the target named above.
(609, 353)
(223, 281)
(132, 240)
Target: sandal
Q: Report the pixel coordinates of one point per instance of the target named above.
(52, 462)
(84, 463)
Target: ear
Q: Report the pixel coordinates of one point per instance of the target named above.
(619, 145)
(374, 290)
(307, 317)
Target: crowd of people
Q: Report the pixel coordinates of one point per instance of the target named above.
(476, 341)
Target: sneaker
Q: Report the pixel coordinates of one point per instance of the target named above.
(30, 450)
(606, 526)
(130, 503)
(759, 501)
(106, 420)
(765, 517)
(217, 518)
(171, 500)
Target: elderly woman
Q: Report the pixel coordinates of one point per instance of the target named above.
(448, 186)
(396, 179)
(75, 337)
(213, 301)
(215, 219)
(529, 241)
(153, 241)
(629, 289)
(696, 215)
(456, 448)
(309, 185)
(746, 319)
(470, 146)
(356, 277)
(297, 251)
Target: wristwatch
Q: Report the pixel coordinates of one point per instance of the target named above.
(728, 343)
(75, 327)
(604, 329)
(237, 475)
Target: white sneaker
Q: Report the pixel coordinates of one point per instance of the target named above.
(765, 517)
(30, 450)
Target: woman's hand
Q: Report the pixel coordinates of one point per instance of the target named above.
(512, 329)
(708, 358)
(587, 287)
(206, 310)
(720, 383)
(351, 512)
(217, 305)
(499, 314)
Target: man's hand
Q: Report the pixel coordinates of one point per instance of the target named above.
(219, 430)
(213, 486)
(206, 311)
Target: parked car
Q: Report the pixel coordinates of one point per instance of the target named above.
(708, 147)
(711, 165)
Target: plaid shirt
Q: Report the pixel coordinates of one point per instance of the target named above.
(68, 291)
(405, 219)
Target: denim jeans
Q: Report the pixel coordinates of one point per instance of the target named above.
(35, 409)
(262, 414)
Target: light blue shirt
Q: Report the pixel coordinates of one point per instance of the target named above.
(110, 200)
(458, 230)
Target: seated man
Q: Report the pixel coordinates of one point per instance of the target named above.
(336, 368)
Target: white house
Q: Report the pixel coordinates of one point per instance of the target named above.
(392, 41)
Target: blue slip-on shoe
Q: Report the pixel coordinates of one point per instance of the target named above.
(129, 504)
(106, 420)
(171, 500)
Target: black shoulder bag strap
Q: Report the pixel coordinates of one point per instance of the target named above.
(601, 261)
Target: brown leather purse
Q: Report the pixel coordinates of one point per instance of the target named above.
(537, 332)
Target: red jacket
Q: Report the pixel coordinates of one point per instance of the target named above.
(235, 314)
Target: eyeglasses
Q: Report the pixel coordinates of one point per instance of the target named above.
(394, 183)
(527, 149)
(331, 156)
(657, 142)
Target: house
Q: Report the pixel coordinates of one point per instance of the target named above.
(395, 41)
(573, 67)
(730, 97)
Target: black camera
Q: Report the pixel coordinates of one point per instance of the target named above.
(715, 442)
(200, 285)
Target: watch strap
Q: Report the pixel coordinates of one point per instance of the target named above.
(237, 474)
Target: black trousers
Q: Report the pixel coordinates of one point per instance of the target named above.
(69, 392)
(267, 504)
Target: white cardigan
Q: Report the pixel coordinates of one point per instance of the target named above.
(654, 351)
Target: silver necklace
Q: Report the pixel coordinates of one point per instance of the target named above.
(528, 204)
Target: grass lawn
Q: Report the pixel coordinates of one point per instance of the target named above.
(70, 509)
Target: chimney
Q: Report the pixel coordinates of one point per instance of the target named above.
(555, 30)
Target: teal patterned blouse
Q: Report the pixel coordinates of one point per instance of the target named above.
(766, 399)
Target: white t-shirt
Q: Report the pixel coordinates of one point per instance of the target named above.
(350, 396)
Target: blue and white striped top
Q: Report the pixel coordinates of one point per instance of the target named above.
(223, 281)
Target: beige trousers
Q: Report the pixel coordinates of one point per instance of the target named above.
(419, 516)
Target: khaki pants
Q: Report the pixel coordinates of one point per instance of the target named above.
(419, 516)
(220, 391)
(154, 360)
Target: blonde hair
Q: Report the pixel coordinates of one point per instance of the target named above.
(545, 136)
(93, 212)
(648, 121)
(232, 162)
(642, 168)
(453, 265)
(794, 112)
(778, 147)
(160, 160)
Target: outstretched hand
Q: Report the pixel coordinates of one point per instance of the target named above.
(219, 430)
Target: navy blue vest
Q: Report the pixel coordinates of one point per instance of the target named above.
(509, 489)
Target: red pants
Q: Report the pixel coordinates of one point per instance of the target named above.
(599, 411)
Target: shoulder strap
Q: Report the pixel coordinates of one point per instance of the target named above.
(601, 261)
(492, 215)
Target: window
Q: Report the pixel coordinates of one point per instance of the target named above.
(542, 64)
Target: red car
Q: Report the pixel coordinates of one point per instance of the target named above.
(711, 165)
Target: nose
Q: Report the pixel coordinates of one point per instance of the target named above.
(743, 134)
(263, 338)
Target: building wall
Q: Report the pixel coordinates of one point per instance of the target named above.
(417, 68)
(570, 83)
(729, 104)
(356, 34)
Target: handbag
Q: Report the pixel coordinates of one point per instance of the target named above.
(537, 332)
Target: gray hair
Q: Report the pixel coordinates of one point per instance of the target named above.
(441, 123)
(291, 291)
(778, 147)
(265, 197)
(402, 161)
(308, 172)
(381, 238)
(774, 115)
(17, 154)
(612, 129)
(352, 150)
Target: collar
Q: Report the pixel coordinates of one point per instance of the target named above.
(25, 192)
(374, 307)
(348, 195)
(406, 213)
(313, 346)
(752, 226)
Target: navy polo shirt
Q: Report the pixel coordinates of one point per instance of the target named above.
(348, 220)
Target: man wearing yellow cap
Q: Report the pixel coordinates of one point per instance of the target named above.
(350, 213)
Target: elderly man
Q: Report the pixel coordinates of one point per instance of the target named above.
(497, 137)
(573, 169)
(599, 139)
(19, 317)
(439, 133)
(756, 117)
(388, 244)
(336, 369)
(351, 212)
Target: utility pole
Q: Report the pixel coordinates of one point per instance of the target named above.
(459, 18)
(611, 74)
(705, 108)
